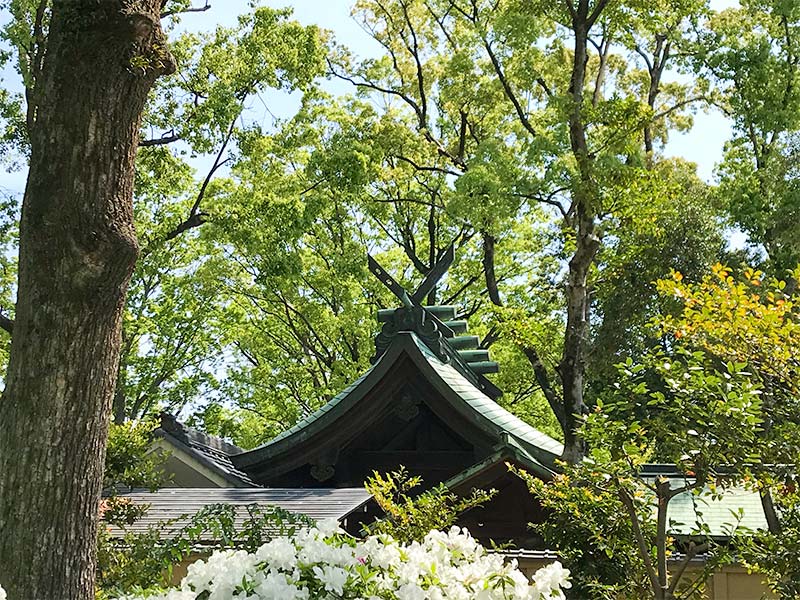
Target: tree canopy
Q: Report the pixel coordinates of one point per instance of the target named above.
(532, 137)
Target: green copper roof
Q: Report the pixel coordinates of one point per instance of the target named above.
(531, 439)
(318, 414)
(462, 394)
(733, 507)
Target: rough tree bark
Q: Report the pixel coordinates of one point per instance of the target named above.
(77, 251)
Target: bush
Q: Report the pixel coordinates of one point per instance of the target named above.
(324, 562)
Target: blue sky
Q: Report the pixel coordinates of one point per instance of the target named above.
(702, 145)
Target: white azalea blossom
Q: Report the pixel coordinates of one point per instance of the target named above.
(324, 562)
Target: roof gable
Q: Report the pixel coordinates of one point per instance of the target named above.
(461, 396)
(211, 452)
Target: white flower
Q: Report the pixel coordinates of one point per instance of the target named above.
(445, 566)
(411, 591)
(548, 581)
(328, 527)
(276, 587)
(279, 553)
(333, 578)
(2, 593)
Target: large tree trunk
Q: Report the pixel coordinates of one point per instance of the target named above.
(77, 250)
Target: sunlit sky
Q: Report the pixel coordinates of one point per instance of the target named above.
(702, 145)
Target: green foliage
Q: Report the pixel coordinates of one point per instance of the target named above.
(673, 409)
(131, 561)
(242, 426)
(129, 462)
(773, 555)
(753, 320)
(750, 55)
(251, 291)
(583, 526)
(410, 514)
(670, 225)
(714, 399)
(179, 322)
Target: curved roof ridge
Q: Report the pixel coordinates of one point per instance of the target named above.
(319, 412)
(507, 421)
(448, 378)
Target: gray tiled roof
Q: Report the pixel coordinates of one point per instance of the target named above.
(173, 505)
(210, 450)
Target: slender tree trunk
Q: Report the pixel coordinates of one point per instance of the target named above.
(530, 352)
(771, 514)
(572, 368)
(77, 250)
(587, 242)
(659, 61)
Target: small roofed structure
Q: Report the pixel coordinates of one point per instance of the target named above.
(195, 459)
(425, 404)
(717, 512)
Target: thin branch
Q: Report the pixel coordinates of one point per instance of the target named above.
(165, 139)
(191, 222)
(547, 200)
(677, 106)
(251, 357)
(638, 535)
(171, 13)
(646, 58)
(455, 295)
(602, 51)
(196, 216)
(691, 552)
(498, 69)
(440, 21)
(36, 54)
(599, 7)
(371, 86)
(570, 8)
(6, 323)
(414, 50)
(419, 167)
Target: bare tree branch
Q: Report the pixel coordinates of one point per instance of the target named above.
(196, 216)
(6, 323)
(692, 551)
(641, 542)
(165, 139)
(171, 13)
(498, 69)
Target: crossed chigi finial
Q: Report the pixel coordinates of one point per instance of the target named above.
(413, 316)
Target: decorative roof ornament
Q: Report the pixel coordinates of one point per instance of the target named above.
(413, 316)
(435, 326)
